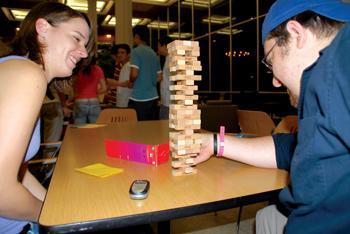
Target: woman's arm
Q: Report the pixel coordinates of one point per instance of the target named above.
(258, 151)
(102, 88)
(21, 96)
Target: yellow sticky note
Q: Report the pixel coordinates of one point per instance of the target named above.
(100, 170)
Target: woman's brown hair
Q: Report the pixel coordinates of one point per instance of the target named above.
(26, 41)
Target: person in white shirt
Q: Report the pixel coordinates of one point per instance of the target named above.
(123, 92)
(165, 83)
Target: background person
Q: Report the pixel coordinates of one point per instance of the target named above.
(165, 83)
(123, 91)
(145, 72)
(52, 39)
(89, 82)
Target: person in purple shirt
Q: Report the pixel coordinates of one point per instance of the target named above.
(51, 41)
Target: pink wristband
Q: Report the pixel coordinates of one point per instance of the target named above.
(221, 141)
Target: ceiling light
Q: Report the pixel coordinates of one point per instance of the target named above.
(161, 25)
(111, 21)
(156, 2)
(82, 5)
(181, 36)
(226, 31)
(201, 3)
(218, 19)
(18, 14)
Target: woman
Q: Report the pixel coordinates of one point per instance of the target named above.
(89, 82)
(52, 39)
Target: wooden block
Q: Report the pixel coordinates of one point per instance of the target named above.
(186, 48)
(189, 148)
(176, 58)
(182, 72)
(194, 117)
(182, 77)
(187, 83)
(187, 68)
(181, 125)
(182, 107)
(183, 87)
(183, 43)
(185, 112)
(183, 162)
(184, 171)
(174, 155)
(183, 62)
(183, 97)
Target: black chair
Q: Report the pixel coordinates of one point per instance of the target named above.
(214, 116)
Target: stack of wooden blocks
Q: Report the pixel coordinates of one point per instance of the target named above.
(184, 116)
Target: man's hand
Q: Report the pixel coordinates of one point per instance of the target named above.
(206, 148)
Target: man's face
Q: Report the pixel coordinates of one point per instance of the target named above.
(288, 61)
(162, 50)
(122, 55)
(286, 69)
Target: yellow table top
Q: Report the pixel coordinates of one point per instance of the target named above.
(75, 197)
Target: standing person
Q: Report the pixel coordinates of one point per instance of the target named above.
(89, 82)
(307, 47)
(123, 91)
(118, 64)
(165, 83)
(145, 72)
(52, 39)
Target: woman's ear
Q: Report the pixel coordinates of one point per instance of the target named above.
(41, 26)
(297, 32)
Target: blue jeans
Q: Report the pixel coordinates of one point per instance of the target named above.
(86, 110)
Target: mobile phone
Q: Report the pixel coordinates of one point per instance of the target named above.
(139, 189)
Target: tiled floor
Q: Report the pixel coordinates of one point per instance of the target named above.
(222, 222)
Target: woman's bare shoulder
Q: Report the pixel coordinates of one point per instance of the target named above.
(22, 70)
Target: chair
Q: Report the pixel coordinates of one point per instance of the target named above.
(214, 116)
(288, 124)
(258, 123)
(116, 115)
(43, 164)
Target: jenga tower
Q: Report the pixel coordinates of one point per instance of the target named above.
(184, 117)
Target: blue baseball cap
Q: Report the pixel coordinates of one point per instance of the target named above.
(282, 10)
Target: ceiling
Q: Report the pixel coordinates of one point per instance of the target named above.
(149, 9)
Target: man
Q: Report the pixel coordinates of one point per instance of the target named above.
(123, 92)
(145, 72)
(165, 83)
(306, 45)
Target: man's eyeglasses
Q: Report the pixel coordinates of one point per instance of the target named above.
(264, 60)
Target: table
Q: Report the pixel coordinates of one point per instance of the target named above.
(77, 202)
